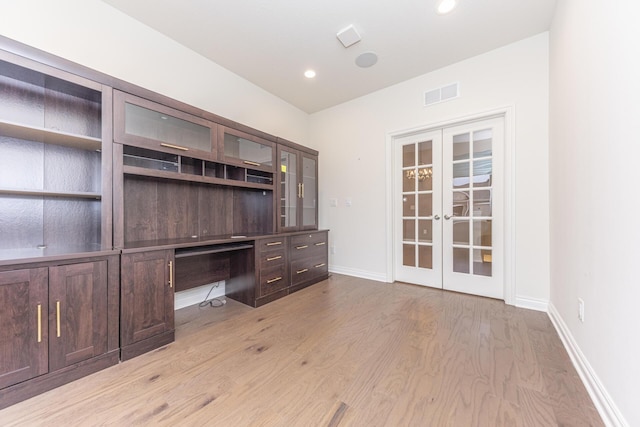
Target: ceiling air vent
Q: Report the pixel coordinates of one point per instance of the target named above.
(441, 94)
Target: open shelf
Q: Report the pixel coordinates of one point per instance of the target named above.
(48, 136)
(44, 193)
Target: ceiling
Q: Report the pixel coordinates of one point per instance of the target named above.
(272, 42)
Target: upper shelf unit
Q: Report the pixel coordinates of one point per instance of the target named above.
(146, 124)
(242, 149)
(51, 158)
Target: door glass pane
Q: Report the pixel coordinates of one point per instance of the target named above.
(309, 188)
(482, 143)
(425, 231)
(482, 203)
(482, 262)
(425, 181)
(482, 233)
(461, 260)
(409, 230)
(461, 147)
(425, 153)
(288, 189)
(409, 205)
(425, 204)
(425, 257)
(408, 180)
(408, 155)
(482, 173)
(409, 255)
(461, 175)
(460, 203)
(460, 232)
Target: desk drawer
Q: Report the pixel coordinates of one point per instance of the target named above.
(273, 279)
(308, 246)
(269, 245)
(308, 269)
(270, 259)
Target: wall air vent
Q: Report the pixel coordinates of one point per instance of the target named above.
(441, 94)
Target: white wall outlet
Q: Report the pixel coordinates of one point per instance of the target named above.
(581, 309)
(333, 203)
(348, 202)
(333, 250)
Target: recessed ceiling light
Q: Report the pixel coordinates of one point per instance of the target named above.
(446, 6)
(366, 60)
(309, 74)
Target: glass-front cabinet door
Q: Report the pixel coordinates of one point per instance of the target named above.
(309, 192)
(146, 124)
(246, 150)
(297, 190)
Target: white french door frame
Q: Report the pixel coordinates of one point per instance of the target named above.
(508, 114)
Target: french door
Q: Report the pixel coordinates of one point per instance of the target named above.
(448, 197)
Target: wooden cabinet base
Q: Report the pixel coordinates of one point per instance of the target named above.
(43, 383)
(145, 346)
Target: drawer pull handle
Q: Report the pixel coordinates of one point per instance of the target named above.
(58, 319)
(304, 270)
(274, 243)
(302, 247)
(274, 280)
(39, 322)
(247, 162)
(171, 274)
(320, 265)
(273, 258)
(321, 243)
(177, 147)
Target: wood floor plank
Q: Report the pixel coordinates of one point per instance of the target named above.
(344, 352)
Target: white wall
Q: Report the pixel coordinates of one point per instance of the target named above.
(98, 36)
(594, 129)
(351, 138)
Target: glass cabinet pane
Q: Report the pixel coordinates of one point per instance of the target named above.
(247, 151)
(288, 189)
(154, 125)
(309, 191)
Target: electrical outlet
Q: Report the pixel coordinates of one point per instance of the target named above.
(581, 309)
(333, 250)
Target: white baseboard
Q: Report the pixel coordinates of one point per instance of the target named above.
(601, 398)
(197, 295)
(533, 303)
(358, 273)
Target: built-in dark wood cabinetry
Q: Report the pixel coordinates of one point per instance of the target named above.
(113, 198)
(297, 187)
(146, 301)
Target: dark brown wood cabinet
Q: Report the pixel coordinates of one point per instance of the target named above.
(147, 301)
(309, 259)
(24, 333)
(297, 188)
(78, 313)
(272, 279)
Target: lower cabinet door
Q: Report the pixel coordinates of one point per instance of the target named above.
(78, 313)
(23, 317)
(147, 307)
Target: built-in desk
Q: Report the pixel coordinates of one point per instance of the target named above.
(257, 269)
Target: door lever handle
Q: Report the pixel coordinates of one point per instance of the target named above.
(436, 217)
(447, 217)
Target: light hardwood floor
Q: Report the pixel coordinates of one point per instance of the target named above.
(344, 352)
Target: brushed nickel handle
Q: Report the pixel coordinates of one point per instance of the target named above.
(302, 190)
(304, 270)
(320, 265)
(248, 162)
(274, 243)
(299, 190)
(39, 322)
(273, 258)
(177, 147)
(274, 280)
(171, 274)
(302, 247)
(321, 243)
(58, 319)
